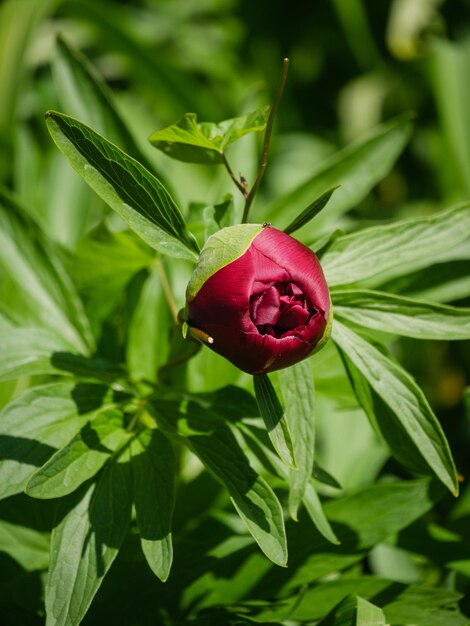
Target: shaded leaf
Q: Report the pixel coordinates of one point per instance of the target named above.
(153, 465)
(81, 458)
(36, 423)
(85, 543)
(274, 418)
(296, 386)
(214, 443)
(354, 611)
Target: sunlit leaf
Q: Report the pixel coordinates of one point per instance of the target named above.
(131, 190)
(402, 316)
(408, 412)
(373, 255)
(205, 143)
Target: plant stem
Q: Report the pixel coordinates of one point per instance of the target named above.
(167, 291)
(234, 178)
(267, 139)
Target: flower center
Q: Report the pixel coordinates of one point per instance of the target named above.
(280, 309)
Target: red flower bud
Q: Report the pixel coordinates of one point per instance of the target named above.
(259, 298)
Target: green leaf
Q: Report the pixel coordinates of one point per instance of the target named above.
(27, 352)
(81, 458)
(422, 605)
(296, 386)
(317, 514)
(373, 255)
(258, 442)
(448, 64)
(440, 282)
(85, 543)
(275, 419)
(401, 316)
(361, 519)
(408, 412)
(214, 443)
(324, 477)
(147, 344)
(129, 189)
(186, 140)
(354, 611)
(357, 169)
(425, 606)
(310, 212)
(29, 548)
(85, 95)
(48, 298)
(153, 465)
(36, 423)
(103, 264)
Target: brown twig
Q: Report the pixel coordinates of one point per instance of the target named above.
(234, 178)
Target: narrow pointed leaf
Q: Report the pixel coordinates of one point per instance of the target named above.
(81, 458)
(374, 255)
(216, 446)
(315, 510)
(296, 386)
(310, 212)
(357, 169)
(258, 442)
(408, 411)
(355, 611)
(402, 316)
(274, 418)
(86, 542)
(153, 465)
(129, 189)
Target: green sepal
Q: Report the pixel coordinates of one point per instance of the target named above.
(222, 248)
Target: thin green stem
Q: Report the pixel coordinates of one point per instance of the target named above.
(267, 139)
(167, 291)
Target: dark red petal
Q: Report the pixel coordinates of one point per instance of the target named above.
(299, 262)
(293, 316)
(265, 307)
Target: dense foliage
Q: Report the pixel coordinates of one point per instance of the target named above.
(144, 479)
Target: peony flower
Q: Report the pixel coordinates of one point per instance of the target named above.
(258, 297)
